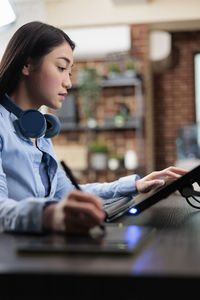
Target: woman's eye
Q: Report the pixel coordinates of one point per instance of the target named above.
(61, 69)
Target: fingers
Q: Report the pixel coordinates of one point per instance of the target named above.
(82, 211)
(155, 183)
(171, 172)
(85, 211)
(84, 197)
(151, 184)
(178, 170)
(158, 178)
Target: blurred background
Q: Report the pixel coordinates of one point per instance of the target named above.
(135, 101)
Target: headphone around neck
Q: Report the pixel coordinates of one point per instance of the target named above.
(32, 123)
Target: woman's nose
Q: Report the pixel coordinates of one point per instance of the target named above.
(67, 82)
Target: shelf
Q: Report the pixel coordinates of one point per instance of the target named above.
(133, 124)
(122, 82)
(119, 82)
(107, 175)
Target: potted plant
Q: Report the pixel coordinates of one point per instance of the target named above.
(122, 116)
(115, 161)
(89, 92)
(129, 69)
(98, 150)
(113, 71)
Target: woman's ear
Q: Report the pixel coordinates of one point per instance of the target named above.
(26, 69)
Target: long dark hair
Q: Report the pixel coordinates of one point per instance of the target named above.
(31, 41)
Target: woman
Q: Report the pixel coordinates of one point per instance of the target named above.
(35, 194)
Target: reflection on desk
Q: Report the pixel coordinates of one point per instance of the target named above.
(170, 261)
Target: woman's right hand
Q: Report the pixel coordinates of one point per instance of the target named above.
(75, 213)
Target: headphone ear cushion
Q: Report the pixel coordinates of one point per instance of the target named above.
(32, 123)
(53, 125)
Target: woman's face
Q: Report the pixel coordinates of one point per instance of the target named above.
(48, 83)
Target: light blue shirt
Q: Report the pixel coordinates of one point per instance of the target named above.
(22, 190)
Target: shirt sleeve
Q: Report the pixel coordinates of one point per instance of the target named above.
(122, 187)
(22, 216)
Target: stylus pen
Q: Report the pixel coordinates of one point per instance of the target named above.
(69, 174)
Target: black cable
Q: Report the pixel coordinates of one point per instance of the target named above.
(191, 204)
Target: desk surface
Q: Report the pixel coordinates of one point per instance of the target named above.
(170, 258)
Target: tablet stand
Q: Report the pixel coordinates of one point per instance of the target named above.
(189, 191)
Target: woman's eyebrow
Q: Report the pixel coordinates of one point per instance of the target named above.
(65, 58)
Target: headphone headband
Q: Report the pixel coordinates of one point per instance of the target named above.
(11, 106)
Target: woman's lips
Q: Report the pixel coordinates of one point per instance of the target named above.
(63, 95)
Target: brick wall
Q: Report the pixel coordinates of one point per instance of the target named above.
(140, 46)
(174, 103)
(173, 98)
(173, 92)
(140, 51)
(118, 141)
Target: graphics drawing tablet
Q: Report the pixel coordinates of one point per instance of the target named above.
(115, 240)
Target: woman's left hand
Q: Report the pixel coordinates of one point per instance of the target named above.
(158, 178)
